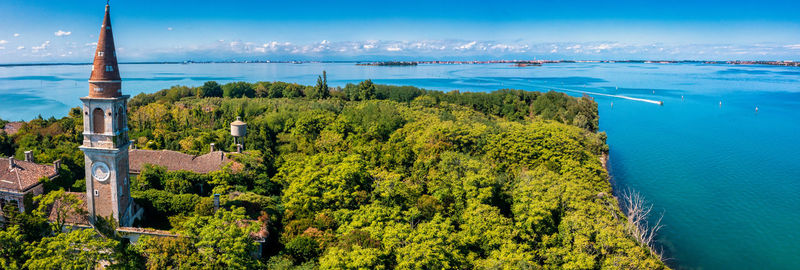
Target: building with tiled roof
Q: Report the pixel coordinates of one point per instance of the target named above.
(175, 161)
(18, 177)
(73, 218)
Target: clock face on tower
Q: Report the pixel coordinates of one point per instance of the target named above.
(100, 171)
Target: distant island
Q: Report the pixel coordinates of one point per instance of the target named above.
(390, 63)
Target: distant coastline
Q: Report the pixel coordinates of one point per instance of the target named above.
(439, 62)
(388, 64)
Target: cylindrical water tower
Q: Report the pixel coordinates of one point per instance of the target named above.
(238, 129)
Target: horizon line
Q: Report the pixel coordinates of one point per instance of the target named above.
(496, 61)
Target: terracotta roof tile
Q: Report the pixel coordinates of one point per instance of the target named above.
(74, 218)
(24, 176)
(105, 81)
(105, 44)
(174, 161)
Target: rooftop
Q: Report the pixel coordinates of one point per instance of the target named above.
(175, 161)
(23, 175)
(74, 218)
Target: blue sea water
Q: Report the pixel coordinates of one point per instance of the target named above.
(725, 177)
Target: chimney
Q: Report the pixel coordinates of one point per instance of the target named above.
(212, 147)
(29, 156)
(216, 202)
(11, 163)
(57, 164)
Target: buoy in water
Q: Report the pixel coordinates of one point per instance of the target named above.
(720, 103)
(612, 105)
(681, 97)
(756, 108)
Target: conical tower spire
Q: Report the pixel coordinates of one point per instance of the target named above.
(105, 81)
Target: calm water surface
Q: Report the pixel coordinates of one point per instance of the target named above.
(726, 178)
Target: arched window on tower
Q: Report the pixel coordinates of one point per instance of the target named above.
(98, 121)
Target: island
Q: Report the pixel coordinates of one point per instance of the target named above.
(362, 176)
(388, 64)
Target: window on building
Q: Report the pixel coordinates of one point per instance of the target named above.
(98, 121)
(96, 193)
(99, 53)
(109, 68)
(98, 89)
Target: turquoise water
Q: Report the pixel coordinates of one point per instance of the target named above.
(725, 177)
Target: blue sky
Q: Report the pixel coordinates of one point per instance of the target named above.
(64, 31)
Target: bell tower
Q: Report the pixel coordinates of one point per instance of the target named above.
(105, 135)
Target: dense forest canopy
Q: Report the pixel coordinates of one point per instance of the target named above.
(366, 176)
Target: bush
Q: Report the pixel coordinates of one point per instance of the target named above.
(302, 249)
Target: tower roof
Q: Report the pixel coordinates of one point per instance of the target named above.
(105, 69)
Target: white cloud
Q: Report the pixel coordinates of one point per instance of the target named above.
(41, 47)
(460, 50)
(169, 28)
(91, 44)
(62, 33)
(467, 46)
(16, 34)
(2, 48)
(3, 41)
(20, 47)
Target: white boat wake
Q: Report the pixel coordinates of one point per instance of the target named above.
(657, 102)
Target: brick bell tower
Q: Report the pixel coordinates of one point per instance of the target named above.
(105, 136)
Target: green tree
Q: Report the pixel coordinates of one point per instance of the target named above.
(32, 226)
(431, 246)
(353, 258)
(324, 181)
(223, 240)
(63, 205)
(151, 177)
(79, 249)
(12, 248)
(262, 89)
(276, 89)
(366, 90)
(237, 90)
(293, 91)
(210, 89)
(321, 91)
(169, 253)
(302, 249)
